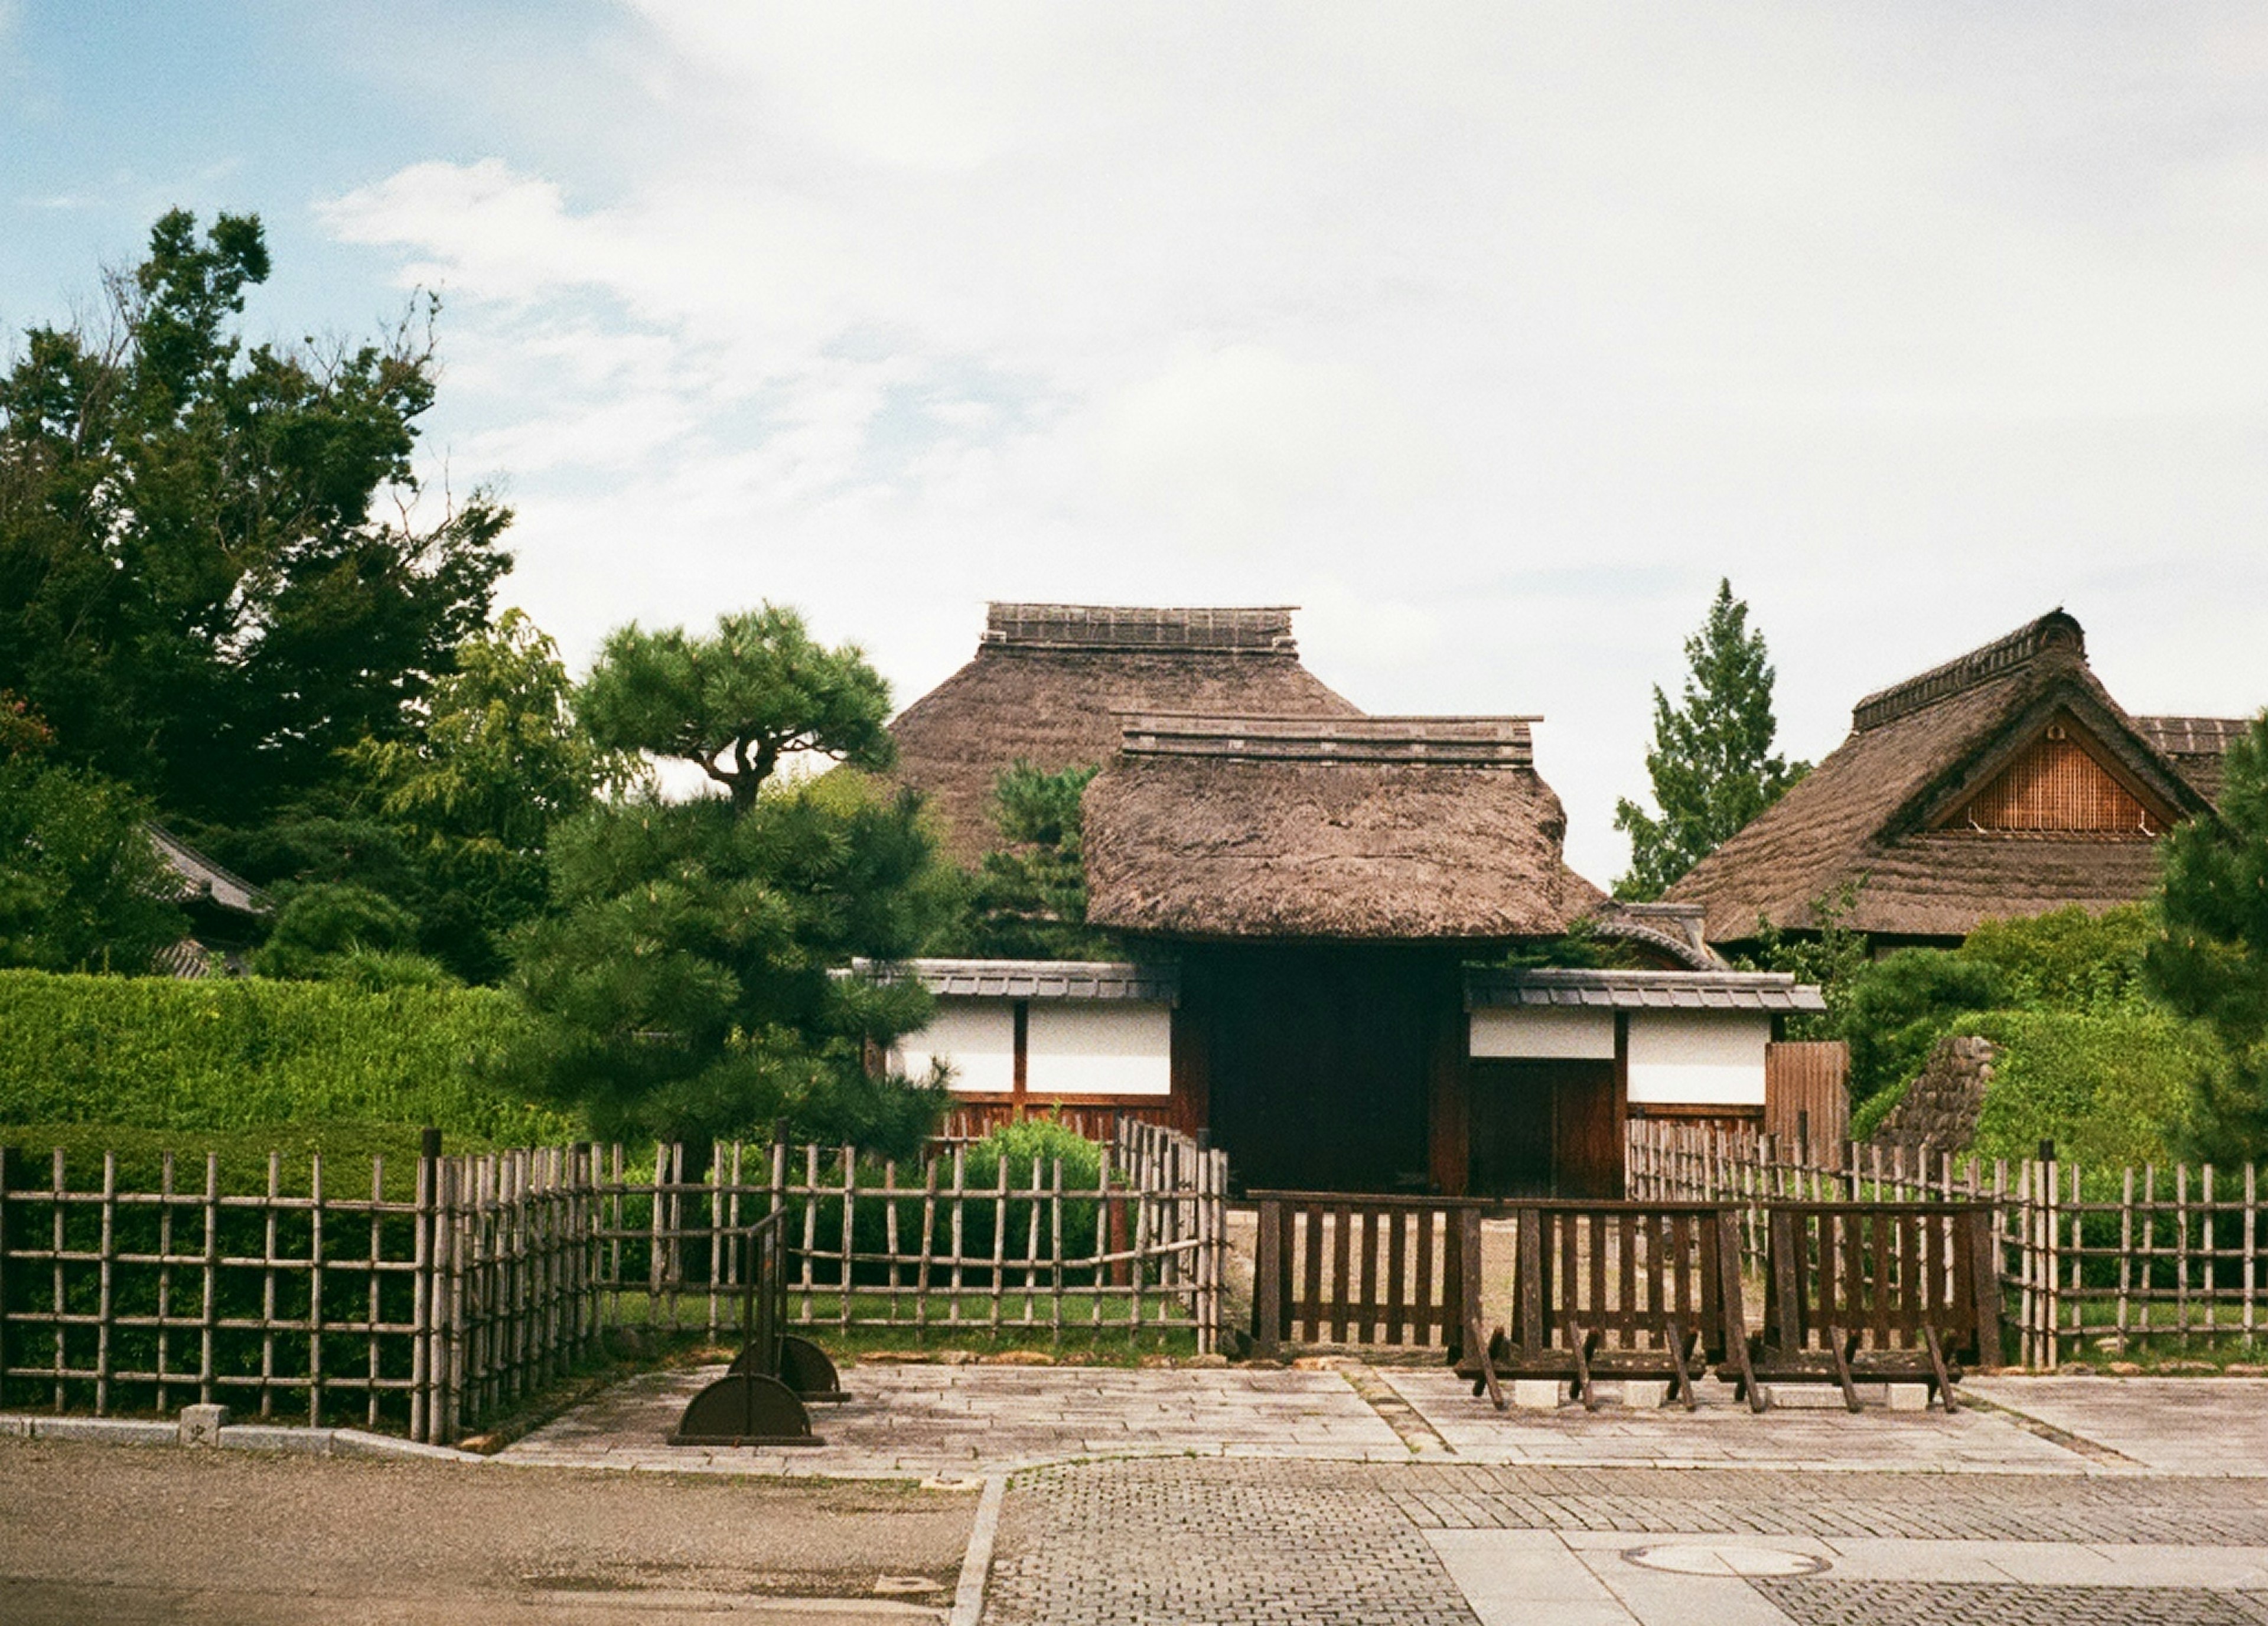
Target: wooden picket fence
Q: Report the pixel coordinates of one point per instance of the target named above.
(2092, 1261)
(429, 1306)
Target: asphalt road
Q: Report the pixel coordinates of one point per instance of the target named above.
(120, 1536)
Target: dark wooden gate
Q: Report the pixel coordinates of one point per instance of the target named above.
(1333, 1269)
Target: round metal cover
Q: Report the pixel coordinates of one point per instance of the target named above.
(1724, 1558)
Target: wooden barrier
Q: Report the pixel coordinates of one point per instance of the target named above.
(1873, 1291)
(1332, 1268)
(1807, 1092)
(1617, 1289)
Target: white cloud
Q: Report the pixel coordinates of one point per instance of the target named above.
(1499, 333)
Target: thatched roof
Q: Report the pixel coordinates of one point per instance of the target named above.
(1888, 810)
(1047, 679)
(2196, 745)
(1375, 829)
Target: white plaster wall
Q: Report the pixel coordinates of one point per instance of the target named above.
(1544, 1032)
(1697, 1058)
(1099, 1047)
(976, 1036)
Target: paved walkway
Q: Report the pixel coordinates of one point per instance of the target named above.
(940, 1421)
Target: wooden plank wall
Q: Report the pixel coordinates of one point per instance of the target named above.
(1807, 1094)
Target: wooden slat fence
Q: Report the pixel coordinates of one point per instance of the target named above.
(2091, 1261)
(1333, 1269)
(426, 1300)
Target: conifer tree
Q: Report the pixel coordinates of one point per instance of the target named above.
(2211, 965)
(1713, 766)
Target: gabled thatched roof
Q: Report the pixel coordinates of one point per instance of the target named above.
(1047, 679)
(1375, 829)
(1874, 813)
(2196, 745)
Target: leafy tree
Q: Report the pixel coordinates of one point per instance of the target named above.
(1027, 900)
(737, 703)
(685, 971)
(1897, 1010)
(195, 588)
(1712, 767)
(81, 887)
(326, 925)
(2211, 964)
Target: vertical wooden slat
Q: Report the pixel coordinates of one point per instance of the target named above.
(1366, 1305)
(1428, 1309)
(1308, 1317)
(105, 1301)
(314, 1290)
(1397, 1308)
(1341, 1228)
(1268, 1279)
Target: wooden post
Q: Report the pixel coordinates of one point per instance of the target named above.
(106, 1300)
(2252, 1256)
(1268, 1282)
(1470, 1275)
(314, 1290)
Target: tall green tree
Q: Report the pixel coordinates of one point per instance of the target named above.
(2211, 964)
(685, 970)
(1712, 767)
(209, 583)
(81, 887)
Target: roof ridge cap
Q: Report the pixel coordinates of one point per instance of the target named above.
(2053, 631)
(1230, 628)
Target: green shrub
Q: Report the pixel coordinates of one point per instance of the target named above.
(1898, 1010)
(2068, 959)
(2110, 1089)
(249, 1053)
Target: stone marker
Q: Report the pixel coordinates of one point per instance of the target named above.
(201, 1425)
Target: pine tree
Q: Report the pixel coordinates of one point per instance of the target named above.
(1713, 766)
(2211, 965)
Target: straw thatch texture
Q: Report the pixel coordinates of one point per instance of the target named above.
(1233, 846)
(1869, 814)
(1047, 678)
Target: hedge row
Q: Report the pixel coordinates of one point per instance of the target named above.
(227, 1054)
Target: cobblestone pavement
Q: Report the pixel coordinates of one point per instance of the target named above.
(1925, 1603)
(1333, 1544)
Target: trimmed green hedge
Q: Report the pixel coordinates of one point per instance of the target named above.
(245, 1053)
(2109, 1088)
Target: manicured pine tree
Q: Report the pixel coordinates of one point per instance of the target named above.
(1713, 766)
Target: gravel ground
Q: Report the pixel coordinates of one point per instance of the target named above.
(121, 1536)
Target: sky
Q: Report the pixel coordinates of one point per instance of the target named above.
(1491, 335)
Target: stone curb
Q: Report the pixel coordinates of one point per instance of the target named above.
(232, 1436)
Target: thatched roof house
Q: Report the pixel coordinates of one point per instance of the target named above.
(2005, 782)
(1328, 829)
(1048, 680)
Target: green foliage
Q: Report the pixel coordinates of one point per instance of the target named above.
(1027, 900)
(326, 921)
(1831, 956)
(1712, 768)
(1579, 948)
(737, 702)
(1898, 1010)
(194, 587)
(2109, 1088)
(2067, 959)
(1031, 1147)
(239, 1053)
(2211, 965)
(684, 978)
(81, 887)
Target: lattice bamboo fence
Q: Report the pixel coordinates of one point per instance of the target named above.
(427, 1305)
(2092, 1261)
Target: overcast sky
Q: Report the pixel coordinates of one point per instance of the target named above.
(1493, 334)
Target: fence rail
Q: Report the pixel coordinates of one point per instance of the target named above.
(471, 1287)
(2091, 1259)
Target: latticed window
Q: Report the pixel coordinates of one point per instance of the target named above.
(2056, 784)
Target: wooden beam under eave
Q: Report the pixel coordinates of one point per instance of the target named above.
(1449, 1093)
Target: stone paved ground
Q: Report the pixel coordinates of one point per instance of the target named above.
(2177, 1425)
(1325, 1544)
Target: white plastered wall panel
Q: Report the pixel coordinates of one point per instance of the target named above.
(1544, 1034)
(976, 1037)
(1099, 1047)
(1697, 1058)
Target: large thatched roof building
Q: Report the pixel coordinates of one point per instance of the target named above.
(1050, 679)
(1329, 829)
(2005, 782)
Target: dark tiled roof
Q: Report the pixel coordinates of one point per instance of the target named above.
(2196, 745)
(203, 882)
(1864, 815)
(1640, 990)
(1033, 979)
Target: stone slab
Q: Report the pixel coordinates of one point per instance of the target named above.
(2174, 1425)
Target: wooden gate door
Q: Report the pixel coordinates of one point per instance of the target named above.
(1545, 1130)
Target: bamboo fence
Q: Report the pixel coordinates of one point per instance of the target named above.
(496, 1274)
(2093, 1260)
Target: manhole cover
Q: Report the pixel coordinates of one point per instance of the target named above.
(1695, 1558)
